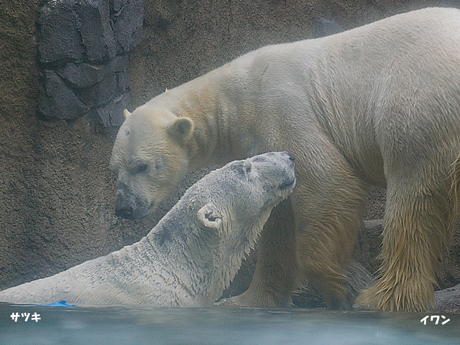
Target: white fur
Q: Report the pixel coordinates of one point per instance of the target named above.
(192, 254)
(379, 105)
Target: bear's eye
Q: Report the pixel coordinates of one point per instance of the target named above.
(245, 170)
(248, 168)
(141, 167)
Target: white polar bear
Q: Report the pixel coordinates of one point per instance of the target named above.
(378, 105)
(192, 254)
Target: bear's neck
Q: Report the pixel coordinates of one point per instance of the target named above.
(188, 255)
(218, 103)
(202, 264)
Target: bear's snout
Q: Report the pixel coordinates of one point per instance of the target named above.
(125, 212)
(131, 206)
(123, 208)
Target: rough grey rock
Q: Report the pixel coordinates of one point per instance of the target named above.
(120, 63)
(96, 30)
(448, 300)
(78, 46)
(117, 5)
(58, 100)
(85, 75)
(111, 115)
(59, 32)
(101, 93)
(82, 75)
(128, 24)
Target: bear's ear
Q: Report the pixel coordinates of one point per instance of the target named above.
(210, 216)
(181, 129)
(126, 113)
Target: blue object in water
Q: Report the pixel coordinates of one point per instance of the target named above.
(62, 303)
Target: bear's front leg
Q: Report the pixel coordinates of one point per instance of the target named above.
(329, 218)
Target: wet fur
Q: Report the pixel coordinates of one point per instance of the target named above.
(377, 105)
(189, 257)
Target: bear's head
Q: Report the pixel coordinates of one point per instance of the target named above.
(150, 156)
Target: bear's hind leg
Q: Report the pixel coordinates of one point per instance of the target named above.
(416, 231)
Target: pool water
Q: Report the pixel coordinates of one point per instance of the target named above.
(219, 325)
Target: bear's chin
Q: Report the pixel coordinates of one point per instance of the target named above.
(138, 212)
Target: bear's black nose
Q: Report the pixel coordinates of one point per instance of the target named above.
(124, 212)
(290, 155)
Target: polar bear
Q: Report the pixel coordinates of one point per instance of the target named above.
(377, 105)
(192, 254)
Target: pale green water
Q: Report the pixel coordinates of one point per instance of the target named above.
(135, 325)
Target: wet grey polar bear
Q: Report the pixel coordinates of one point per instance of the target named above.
(192, 254)
(378, 105)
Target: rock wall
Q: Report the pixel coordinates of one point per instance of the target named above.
(83, 49)
(56, 193)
